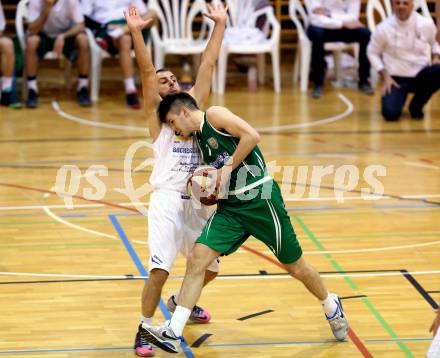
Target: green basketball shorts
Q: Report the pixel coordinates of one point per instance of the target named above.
(265, 219)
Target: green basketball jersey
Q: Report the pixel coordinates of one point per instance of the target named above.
(217, 147)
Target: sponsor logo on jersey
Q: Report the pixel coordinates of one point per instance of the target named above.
(220, 160)
(213, 143)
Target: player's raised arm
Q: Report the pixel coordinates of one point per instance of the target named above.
(202, 87)
(150, 87)
(223, 118)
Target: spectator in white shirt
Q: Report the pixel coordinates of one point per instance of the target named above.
(106, 19)
(7, 61)
(337, 21)
(56, 25)
(400, 50)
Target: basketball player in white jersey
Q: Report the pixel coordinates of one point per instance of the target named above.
(173, 223)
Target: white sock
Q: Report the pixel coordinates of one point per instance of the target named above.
(147, 320)
(129, 84)
(329, 304)
(83, 82)
(179, 319)
(32, 84)
(6, 84)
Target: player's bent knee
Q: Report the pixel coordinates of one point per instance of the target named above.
(158, 276)
(196, 263)
(297, 269)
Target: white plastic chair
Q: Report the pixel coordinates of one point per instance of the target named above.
(303, 57)
(97, 55)
(20, 16)
(243, 15)
(176, 18)
(384, 10)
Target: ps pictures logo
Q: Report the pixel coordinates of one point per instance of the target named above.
(293, 180)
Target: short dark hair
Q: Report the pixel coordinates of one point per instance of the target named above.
(174, 102)
(164, 70)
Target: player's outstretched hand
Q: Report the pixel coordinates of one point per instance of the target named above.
(135, 22)
(217, 12)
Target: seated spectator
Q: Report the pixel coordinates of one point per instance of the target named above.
(7, 60)
(337, 21)
(400, 50)
(56, 25)
(112, 35)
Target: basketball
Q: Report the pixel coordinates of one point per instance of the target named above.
(201, 186)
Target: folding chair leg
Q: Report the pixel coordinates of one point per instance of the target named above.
(276, 70)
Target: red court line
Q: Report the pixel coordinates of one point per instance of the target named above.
(354, 338)
(359, 344)
(17, 186)
(426, 160)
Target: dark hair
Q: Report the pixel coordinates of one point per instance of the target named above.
(163, 70)
(174, 102)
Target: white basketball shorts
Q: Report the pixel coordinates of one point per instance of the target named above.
(174, 224)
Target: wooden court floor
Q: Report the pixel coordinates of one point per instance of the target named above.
(68, 285)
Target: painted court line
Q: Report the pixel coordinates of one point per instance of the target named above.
(331, 119)
(219, 345)
(87, 122)
(328, 120)
(128, 205)
(353, 336)
(80, 228)
(342, 275)
(135, 258)
(354, 286)
(422, 165)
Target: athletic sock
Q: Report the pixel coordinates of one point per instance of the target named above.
(6, 84)
(179, 319)
(32, 83)
(83, 81)
(146, 320)
(329, 304)
(129, 85)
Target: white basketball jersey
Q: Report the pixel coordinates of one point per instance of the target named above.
(175, 160)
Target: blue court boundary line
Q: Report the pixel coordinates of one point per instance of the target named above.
(186, 350)
(209, 345)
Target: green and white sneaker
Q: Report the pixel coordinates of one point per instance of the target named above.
(338, 320)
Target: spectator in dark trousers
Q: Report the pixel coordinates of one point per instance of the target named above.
(113, 36)
(58, 26)
(337, 21)
(400, 50)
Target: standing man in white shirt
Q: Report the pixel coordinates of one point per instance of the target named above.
(400, 50)
(7, 61)
(114, 37)
(337, 21)
(56, 25)
(173, 222)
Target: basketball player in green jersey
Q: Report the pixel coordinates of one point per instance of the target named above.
(252, 205)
